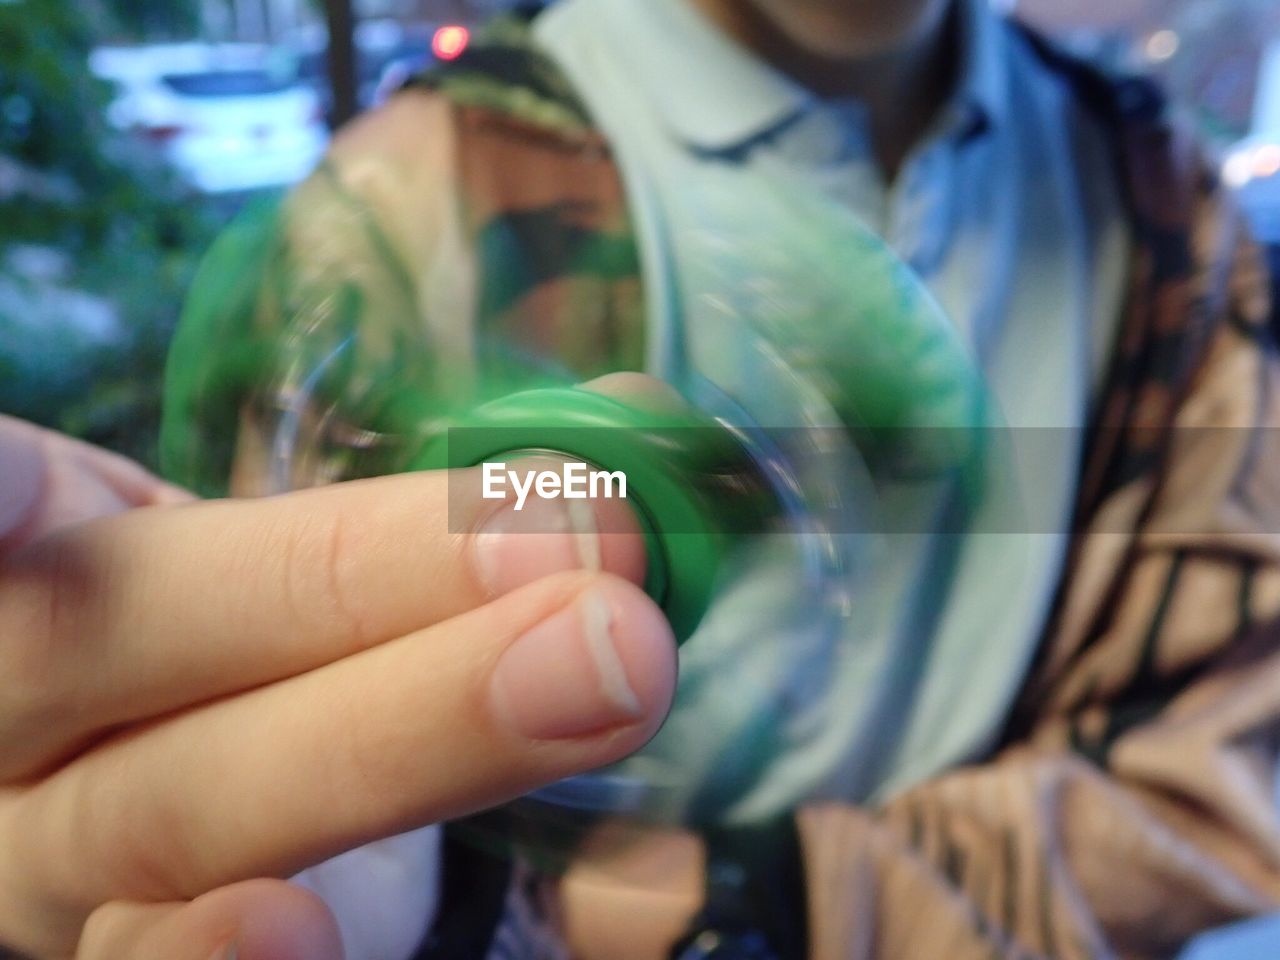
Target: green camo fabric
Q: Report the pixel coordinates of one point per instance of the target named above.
(557, 295)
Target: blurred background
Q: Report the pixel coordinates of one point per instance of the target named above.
(132, 130)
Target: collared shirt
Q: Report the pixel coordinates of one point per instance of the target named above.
(1008, 212)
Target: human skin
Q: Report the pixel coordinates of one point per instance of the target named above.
(203, 698)
(896, 56)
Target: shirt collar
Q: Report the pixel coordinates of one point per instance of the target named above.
(714, 95)
(709, 91)
(981, 98)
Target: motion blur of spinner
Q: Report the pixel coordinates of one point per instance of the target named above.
(835, 431)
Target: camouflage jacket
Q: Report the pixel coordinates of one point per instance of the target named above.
(1131, 802)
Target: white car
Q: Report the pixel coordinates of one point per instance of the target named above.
(229, 118)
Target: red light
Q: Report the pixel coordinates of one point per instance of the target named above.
(162, 133)
(449, 42)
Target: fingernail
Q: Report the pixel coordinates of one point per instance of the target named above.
(230, 952)
(517, 547)
(565, 677)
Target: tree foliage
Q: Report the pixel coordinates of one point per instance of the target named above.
(154, 19)
(107, 226)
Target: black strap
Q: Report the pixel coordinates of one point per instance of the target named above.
(756, 900)
(473, 893)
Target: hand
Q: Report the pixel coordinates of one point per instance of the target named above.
(52, 481)
(199, 699)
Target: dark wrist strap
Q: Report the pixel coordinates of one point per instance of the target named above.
(473, 892)
(756, 905)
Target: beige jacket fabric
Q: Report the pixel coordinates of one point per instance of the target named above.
(1134, 801)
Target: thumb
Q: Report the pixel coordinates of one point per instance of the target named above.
(254, 920)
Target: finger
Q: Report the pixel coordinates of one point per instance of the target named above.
(155, 610)
(566, 675)
(384, 895)
(639, 390)
(24, 469)
(131, 482)
(254, 920)
(52, 481)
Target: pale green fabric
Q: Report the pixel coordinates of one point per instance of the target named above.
(1009, 213)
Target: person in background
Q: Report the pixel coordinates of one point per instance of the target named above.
(1085, 764)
